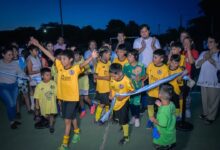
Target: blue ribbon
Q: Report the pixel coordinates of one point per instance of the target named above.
(106, 116)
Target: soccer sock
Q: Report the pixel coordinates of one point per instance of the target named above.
(177, 112)
(76, 131)
(98, 113)
(65, 140)
(125, 130)
(150, 109)
(32, 102)
(106, 108)
(181, 105)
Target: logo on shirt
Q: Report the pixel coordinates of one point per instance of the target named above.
(121, 86)
(71, 72)
(52, 87)
(42, 89)
(159, 72)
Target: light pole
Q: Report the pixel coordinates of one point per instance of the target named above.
(61, 17)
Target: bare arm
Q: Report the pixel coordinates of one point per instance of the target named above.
(29, 68)
(87, 61)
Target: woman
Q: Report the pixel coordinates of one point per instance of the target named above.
(9, 85)
(209, 62)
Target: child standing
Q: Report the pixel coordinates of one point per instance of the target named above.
(121, 53)
(176, 50)
(67, 89)
(83, 85)
(165, 121)
(120, 84)
(102, 78)
(135, 71)
(155, 71)
(45, 95)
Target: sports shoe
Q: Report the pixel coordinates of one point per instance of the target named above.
(92, 109)
(132, 121)
(149, 124)
(203, 117)
(63, 147)
(208, 122)
(51, 129)
(124, 140)
(137, 123)
(188, 113)
(76, 138)
(82, 114)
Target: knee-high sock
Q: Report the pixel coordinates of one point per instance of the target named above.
(65, 140)
(125, 129)
(150, 109)
(98, 113)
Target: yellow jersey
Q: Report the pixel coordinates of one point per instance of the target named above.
(102, 70)
(174, 83)
(67, 82)
(116, 60)
(154, 74)
(122, 86)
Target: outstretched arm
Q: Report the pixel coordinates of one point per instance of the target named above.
(87, 61)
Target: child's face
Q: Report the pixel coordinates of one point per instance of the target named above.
(186, 44)
(60, 41)
(116, 77)
(15, 53)
(174, 64)
(131, 58)
(34, 52)
(66, 61)
(107, 56)
(145, 33)
(121, 53)
(46, 76)
(183, 35)
(50, 46)
(77, 57)
(175, 50)
(8, 56)
(92, 45)
(120, 37)
(157, 60)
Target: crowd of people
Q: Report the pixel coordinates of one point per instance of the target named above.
(57, 79)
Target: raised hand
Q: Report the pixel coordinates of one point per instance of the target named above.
(34, 41)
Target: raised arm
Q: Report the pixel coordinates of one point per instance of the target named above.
(87, 61)
(44, 50)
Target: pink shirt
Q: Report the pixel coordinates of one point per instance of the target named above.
(58, 46)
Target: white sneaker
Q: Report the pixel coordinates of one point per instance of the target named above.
(137, 123)
(132, 121)
(188, 113)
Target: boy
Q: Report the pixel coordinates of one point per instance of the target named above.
(120, 84)
(67, 89)
(176, 83)
(155, 71)
(165, 121)
(45, 95)
(83, 85)
(102, 78)
(121, 53)
(135, 71)
(176, 50)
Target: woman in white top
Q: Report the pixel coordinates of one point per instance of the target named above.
(209, 62)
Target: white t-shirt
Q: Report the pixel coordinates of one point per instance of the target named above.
(146, 56)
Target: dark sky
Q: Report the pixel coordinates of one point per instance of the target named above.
(17, 13)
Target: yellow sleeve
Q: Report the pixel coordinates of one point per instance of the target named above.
(130, 86)
(37, 92)
(58, 64)
(112, 88)
(148, 70)
(97, 68)
(77, 69)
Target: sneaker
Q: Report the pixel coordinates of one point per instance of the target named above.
(137, 123)
(51, 129)
(203, 117)
(63, 147)
(92, 109)
(188, 113)
(124, 140)
(13, 125)
(76, 138)
(82, 114)
(149, 124)
(208, 122)
(132, 121)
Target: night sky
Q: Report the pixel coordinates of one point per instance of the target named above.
(97, 13)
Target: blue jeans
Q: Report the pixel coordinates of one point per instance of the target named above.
(8, 94)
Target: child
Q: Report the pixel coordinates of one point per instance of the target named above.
(121, 53)
(176, 50)
(174, 67)
(135, 71)
(45, 95)
(102, 78)
(120, 84)
(67, 89)
(155, 71)
(57, 54)
(83, 85)
(165, 121)
(33, 68)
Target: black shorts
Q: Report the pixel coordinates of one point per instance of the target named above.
(175, 99)
(151, 100)
(69, 109)
(103, 98)
(122, 114)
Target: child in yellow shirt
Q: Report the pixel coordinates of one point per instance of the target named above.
(122, 55)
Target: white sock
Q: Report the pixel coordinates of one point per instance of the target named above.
(32, 103)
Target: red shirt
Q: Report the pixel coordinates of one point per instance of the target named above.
(195, 55)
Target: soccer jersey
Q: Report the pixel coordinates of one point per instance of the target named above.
(154, 74)
(67, 82)
(102, 70)
(45, 93)
(174, 83)
(54, 72)
(182, 61)
(135, 74)
(166, 125)
(116, 60)
(122, 86)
